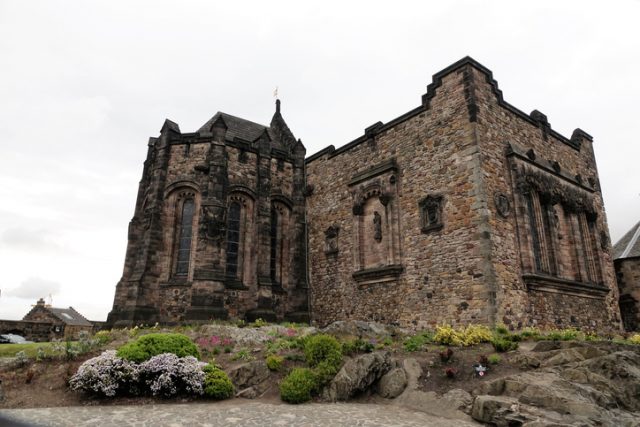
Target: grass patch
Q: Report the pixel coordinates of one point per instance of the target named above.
(30, 349)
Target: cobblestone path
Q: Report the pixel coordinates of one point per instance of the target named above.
(226, 414)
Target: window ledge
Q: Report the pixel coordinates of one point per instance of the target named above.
(433, 227)
(233, 283)
(387, 273)
(544, 283)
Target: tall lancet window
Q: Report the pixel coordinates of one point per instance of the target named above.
(233, 239)
(274, 245)
(184, 243)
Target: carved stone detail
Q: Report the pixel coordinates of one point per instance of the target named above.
(503, 206)
(377, 227)
(431, 213)
(331, 240)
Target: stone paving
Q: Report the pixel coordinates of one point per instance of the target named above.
(229, 414)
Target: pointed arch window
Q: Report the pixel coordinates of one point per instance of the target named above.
(233, 238)
(186, 234)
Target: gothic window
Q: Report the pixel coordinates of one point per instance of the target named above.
(233, 238)
(431, 213)
(185, 233)
(557, 232)
(239, 256)
(274, 245)
(279, 236)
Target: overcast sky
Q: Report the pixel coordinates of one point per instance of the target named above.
(83, 84)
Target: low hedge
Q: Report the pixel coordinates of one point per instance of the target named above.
(298, 386)
(147, 346)
(217, 384)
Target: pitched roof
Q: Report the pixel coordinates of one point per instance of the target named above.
(237, 127)
(69, 316)
(629, 245)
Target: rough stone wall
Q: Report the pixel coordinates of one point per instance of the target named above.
(628, 276)
(504, 134)
(215, 171)
(498, 172)
(442, 270)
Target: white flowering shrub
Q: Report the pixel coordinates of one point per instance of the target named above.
(167, 375)
(106, 375)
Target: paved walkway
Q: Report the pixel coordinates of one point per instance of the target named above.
(226, 414)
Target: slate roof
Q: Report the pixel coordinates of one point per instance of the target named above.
(629, 245)
(69, 316)
(237, 127)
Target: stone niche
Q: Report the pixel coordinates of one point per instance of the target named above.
(374, 192)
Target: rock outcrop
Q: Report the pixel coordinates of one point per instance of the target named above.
(577, 385)
(357, 374)
(249, 378)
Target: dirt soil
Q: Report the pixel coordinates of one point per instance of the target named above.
(44, 384)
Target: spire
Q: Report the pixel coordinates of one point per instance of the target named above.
(280, 128)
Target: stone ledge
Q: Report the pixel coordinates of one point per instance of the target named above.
(378, 274)
(544, 283)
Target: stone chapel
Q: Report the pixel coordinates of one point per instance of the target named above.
(462, 210)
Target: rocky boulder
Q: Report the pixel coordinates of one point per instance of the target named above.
(249, 378)
(357, 374)
(392, 383)
(580, 385)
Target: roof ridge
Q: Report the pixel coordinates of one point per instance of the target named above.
(632, 242)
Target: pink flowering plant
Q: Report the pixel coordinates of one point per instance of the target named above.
(106, 375)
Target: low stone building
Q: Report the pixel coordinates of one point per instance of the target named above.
(46, 323)
(66, 323)
(627, 265)
(462, 210)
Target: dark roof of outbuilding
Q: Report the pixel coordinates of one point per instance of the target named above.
(237, 127)
(69, 316)
(629, 245)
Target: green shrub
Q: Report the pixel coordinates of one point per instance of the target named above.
(634, 339)
(217, 384)
(494, 359)
(502, 329)
(357, 346)
(532, 333)
(103, 337)
(320, 348)
(554, 335)
(151, 345)
(259, 323)
(325, 371)
(274, 362)
(298, 386)
(417, 342)
(592, 336)
(503, 345)
(243, 355)
(294, 357)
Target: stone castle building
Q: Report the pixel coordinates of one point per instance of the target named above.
(627, 265)
(462, 210)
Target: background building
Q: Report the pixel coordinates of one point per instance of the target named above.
(627, 266)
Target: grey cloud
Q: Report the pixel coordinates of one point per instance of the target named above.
(34, 288)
